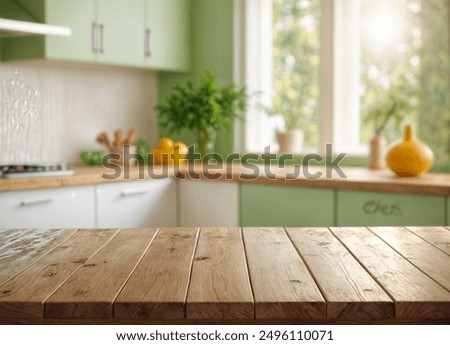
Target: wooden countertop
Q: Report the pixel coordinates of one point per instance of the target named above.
(225, 275)
(319, 177)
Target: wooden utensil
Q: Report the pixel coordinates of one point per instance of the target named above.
(131, 139)
(118, 138)
(102, 138)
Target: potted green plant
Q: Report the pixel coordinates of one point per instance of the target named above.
(203, 108)
(379, 115)
(289, 136)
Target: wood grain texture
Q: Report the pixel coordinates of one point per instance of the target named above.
(282, 285)
(168, 322)
(157, 288)
(220, 287)
(415, 294)
(23, 296)
(90, 292)
(350, 292)
(355, 178)
(21, 247)
(87, 176)
(226, 275)
(422, 254)
(438, 236)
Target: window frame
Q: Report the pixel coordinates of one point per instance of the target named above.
(339, 122)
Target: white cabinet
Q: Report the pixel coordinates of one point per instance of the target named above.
(208, 203)
(163, 202)
(67, 207)
(149, 203)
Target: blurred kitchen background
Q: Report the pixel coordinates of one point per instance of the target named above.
(332, 68)
(78, 102)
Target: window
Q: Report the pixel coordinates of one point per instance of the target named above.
(335, 67)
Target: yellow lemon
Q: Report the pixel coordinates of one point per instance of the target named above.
(157, 156)
(165, 144)
(180, 147)
(169, 152)
(411, 157)
(162, 157)
(180, 152)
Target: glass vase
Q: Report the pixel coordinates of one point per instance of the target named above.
(206, 141)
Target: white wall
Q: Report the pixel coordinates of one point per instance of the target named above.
(80, 101)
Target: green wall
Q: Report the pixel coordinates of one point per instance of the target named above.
(212, 50)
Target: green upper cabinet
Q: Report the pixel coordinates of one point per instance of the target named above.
(119, 32)
(166, 47)
(80, 16)
(270, 205)
(356, 208)
(138, 33)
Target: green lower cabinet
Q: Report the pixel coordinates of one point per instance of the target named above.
(269, 205)
(389, 209)
(448, 211)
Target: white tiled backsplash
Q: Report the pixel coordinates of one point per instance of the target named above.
(80, 101)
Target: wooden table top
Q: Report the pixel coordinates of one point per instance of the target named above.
(225, 275)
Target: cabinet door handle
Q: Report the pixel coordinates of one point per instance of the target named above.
(148, 51)
(145, 43)
(101, 38)
(129, 192)
(94, 38)
(36, 202)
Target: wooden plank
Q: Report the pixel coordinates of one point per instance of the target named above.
(23, 296)
(416, 295)
(422, 254)
(220, 286)
(90, 292)
(437, 236)
(282, 285)
(19, 248)
(350, 292)
(157, 288)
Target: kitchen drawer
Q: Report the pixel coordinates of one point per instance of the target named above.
(67, 207)
(268, 205)
(209, 203)
(389, 209)
(145, 203)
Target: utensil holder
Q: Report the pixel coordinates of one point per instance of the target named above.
(124, 155)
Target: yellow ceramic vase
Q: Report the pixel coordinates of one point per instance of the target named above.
(411, 157)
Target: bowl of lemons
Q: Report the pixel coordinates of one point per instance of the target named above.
(169, 152)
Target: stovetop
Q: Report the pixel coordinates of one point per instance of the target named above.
(34, 170)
